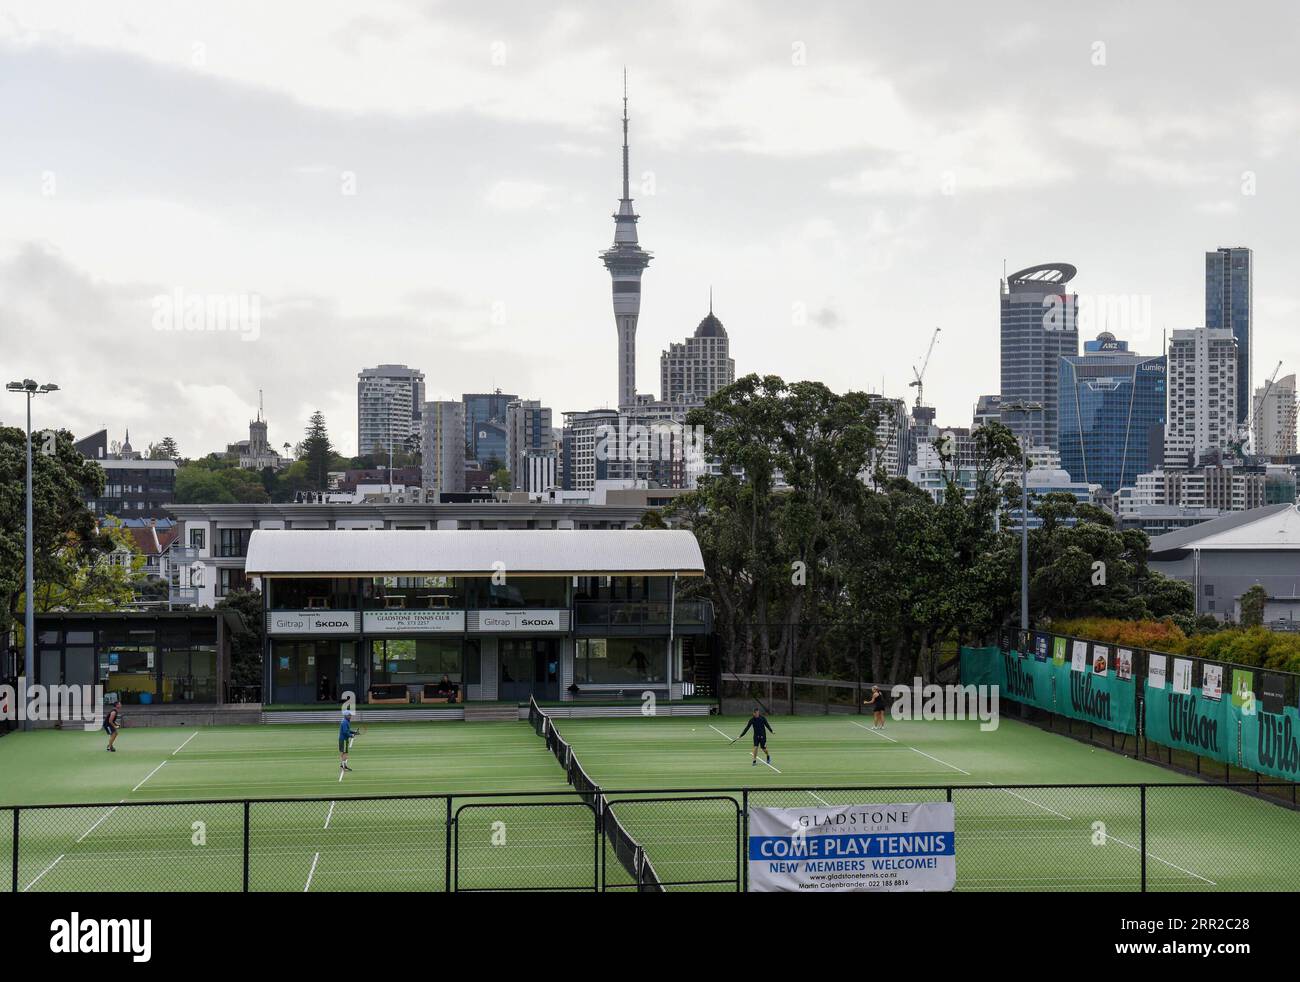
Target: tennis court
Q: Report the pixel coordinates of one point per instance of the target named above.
(517, 824)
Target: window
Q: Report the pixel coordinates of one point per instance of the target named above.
(229, 580)
(618, 661)
(198, 537)
(415, 660)
(233, 542)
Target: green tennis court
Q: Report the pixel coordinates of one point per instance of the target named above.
(537, 836)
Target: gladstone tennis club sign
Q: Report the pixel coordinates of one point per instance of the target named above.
(872, 847)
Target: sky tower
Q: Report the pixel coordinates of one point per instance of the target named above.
(626, 260)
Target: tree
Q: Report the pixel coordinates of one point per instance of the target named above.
(318, 452)
(165, 449)
(66, 540)
(652, 519)
(245, 646)
(1252, 606)
(500, 480)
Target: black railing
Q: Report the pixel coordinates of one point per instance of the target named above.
(640, 613)
(1135, 837)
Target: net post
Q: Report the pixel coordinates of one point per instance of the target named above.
(247, 809)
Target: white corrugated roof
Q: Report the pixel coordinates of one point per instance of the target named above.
(380, 552)
(1279, 529)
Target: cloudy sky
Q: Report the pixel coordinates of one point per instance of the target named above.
(431, 183)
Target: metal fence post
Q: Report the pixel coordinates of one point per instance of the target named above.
(1142, 841)
(247, 807)
(446, 837)
(15, 850)
(743, 846)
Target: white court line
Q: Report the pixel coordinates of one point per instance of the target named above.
(1030, 801)
(821, 799)
(762, 761)
(1152, 855)
(100, 822)
(330, 815)
(911, 748)
(149, 775)
(312, 873)
(187, 740)
(43, 872)
(342, 771)
(876, 732)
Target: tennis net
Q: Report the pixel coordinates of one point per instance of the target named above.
(630, 853)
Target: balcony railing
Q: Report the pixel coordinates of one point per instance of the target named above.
(638, 613)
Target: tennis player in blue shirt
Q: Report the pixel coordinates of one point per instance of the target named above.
(345, 735)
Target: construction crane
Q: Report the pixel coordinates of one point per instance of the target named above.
(1247, 429)
(920, 376)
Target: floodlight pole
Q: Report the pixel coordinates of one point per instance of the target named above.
(30, 389)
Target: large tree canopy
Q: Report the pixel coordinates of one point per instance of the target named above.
(814, 571)
(69, 551)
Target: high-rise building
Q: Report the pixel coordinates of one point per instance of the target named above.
(987, 410)
(389, 398)
(692, 371)
(442, 446)
(1112, 413)
(528, 430)
(1202, 381)
(626, 261)
(539, 472)
(1229, 295)
(1275, 419)
(890, 454)
(484, 407)
(1039, 325)
(584, 460)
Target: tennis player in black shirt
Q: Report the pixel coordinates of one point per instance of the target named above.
(877, 704)
(761, 727)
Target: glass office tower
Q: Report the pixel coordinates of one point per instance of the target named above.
(1112, 413)
(1038, 325)
(1229, 296)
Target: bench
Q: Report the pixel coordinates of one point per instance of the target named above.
(388, 692)
(430, 693)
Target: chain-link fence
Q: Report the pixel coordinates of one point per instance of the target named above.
(1104, 837)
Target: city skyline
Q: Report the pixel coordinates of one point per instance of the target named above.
(466, 249)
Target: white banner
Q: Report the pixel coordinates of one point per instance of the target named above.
(413, 621)
(311, 622)
(882, 848)
(521, 620)
(1156, 671)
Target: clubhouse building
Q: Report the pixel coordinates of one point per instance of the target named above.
(456, 616)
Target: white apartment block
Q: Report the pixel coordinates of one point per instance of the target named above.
(1215, 487)
(1275, 419)
(1202, 383)
(389, 398)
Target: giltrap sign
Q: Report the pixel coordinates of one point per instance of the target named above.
(885, 848)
